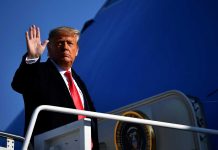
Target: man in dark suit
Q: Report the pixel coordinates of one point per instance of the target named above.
(46, 83)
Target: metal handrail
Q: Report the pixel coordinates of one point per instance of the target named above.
(12, 136)
(108, 116)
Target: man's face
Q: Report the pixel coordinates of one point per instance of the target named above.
(63, 49)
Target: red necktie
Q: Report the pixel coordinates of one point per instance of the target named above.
(74, 93)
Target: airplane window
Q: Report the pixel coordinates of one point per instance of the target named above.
(109, 3)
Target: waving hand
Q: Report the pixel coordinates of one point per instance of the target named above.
(34, 46)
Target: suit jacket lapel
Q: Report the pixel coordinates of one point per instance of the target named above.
(59, 81)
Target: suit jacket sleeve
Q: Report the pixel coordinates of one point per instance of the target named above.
(24, 76)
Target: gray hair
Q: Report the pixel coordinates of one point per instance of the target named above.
(69, 31)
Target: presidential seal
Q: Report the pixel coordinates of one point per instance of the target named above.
(132, 136)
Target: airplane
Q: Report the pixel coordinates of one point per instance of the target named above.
(135, 51)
